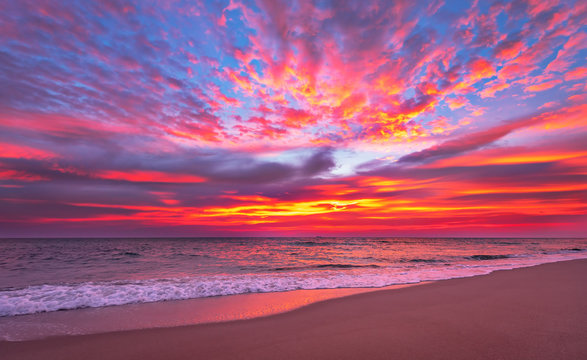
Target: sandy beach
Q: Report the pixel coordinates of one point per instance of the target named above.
(531, 313)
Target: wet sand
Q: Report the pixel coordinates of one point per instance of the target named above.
(165, 314)
(530, 313)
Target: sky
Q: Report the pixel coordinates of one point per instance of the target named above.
(293, 118)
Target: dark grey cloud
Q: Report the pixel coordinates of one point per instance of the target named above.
(320, 162)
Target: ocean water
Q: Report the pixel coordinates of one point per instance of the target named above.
(45, 275)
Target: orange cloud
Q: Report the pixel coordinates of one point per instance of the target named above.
(543, 86)
(149, 176)
(576, 74)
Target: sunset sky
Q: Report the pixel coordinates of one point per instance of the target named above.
(284, 118)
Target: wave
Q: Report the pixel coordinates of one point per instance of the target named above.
(324, 266)
(53, 297)
(313, 243)
(488, 257)
(422, 260)
(130, 253)
(472, 257)
(46, 298)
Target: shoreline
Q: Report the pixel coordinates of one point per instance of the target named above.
(533, 312)
(121, 274)
(185, 312)
(167, 314)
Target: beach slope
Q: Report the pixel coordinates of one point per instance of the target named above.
(530, 313)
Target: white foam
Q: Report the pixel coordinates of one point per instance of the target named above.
(46, 298)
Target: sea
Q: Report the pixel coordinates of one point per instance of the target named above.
(48, 275)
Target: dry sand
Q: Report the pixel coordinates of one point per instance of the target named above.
(530, 313)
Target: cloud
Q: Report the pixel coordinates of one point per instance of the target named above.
(320, 162)
(470, 141)
(508, 49)
(193, 116)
